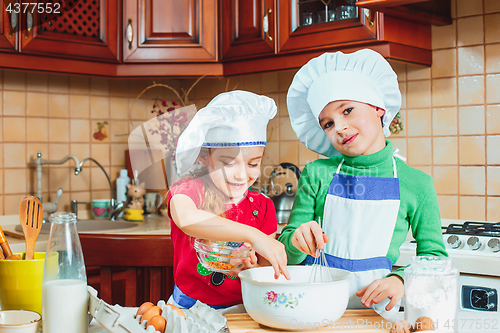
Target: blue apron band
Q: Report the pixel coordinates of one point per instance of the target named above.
(187, 302)
(353, 265)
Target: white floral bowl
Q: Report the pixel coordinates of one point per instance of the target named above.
(296, 303)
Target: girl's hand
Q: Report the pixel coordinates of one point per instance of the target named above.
(391, 287)
(250, 262)
(308, 237)
(273, 251)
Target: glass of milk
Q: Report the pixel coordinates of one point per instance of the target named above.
(64, 289)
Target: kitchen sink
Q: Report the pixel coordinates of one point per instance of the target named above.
(93, 226)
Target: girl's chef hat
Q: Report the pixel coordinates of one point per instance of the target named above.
(232, 119)
(363, 76)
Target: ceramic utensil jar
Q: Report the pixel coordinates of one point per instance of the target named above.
(431, 294)
(64, 290)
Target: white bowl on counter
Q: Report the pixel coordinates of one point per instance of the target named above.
(296, 303)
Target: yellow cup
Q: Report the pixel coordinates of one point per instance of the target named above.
(21, 283)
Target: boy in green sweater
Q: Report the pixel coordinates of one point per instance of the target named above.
(341, 106)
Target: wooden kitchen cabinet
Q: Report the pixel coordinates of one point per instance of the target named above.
(248, 28)
(8, 33)
(170, 31)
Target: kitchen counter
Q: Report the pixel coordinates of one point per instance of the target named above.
(152, 225)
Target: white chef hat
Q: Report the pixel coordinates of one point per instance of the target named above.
(363, 76)
(232, 119)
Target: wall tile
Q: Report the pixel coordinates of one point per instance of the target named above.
(427, 169)
(81, 182)
(444, 121)
(444, 92)
(251, 83)
(492, 88)
(100, 153)
(79, 106)
(99, 107)
(444, 63)
(419, 151)
(14, 80)
(472, 180)
(14, 103)
(59, 130)
(58, 84)
(137, 108)
(1, 104)
(472, 208)
(14, 129)
(419, 122)
(414, 72)
(471, 60)
(492, 58)
(493, 119)
(37, 82)
(282, 106)
(11, 204)
(400, 69)
(470, 31)
(444, 36)
(285, 79)
(118, 154)
(80, 150)
(14, 155)
(269, 82)
(445, 150)
(448, 206)
(58, 151)
(402, 89)
(103, 128)
(119, 108)
(471, 90)
(492, 150)
(445, 179)
(273, 129)
(306, 155)
(1, 185)
(37, 104)
(37, 129)
(99, 86)
(59, 177)
(119, 130)
(1, 155)
(491, 6)
(58, 106)
(399, 143)
(289, 152)
(79, 85)
(99, 180)
(286, 132)
(471, 120)
(118, 87)
(419, 94)
(471, 150)
(493, 177)
(493, 208)
(468, 8)
(79, 130)
(491, 28)
(15, 181)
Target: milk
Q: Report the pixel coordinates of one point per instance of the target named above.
(65, 306)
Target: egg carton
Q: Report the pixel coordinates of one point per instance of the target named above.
(116, 319)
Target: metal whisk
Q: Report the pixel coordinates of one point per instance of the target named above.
(320, 271)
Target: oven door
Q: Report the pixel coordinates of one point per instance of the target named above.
(479, 308)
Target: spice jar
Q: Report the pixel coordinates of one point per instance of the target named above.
(431, 293)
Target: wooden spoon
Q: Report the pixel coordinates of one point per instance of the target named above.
(31, 216)
(7, 252)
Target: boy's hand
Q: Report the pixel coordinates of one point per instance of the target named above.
(391, 287)
(308, 237)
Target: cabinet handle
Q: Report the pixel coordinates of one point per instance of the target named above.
(13, 23)
(265, 24)
(29, 24)
(367, 16)
(130, 34)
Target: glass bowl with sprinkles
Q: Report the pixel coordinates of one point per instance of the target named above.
(220, 256)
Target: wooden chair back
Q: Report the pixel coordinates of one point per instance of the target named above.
(129, 269)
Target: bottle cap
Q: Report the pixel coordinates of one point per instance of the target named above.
(123, 173)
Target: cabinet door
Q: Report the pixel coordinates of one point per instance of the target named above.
(8, 18)
(325, 24)
(85, 29)
(170, 30)
(248, 28)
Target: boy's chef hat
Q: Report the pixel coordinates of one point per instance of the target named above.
(363, 76)
(232, 119)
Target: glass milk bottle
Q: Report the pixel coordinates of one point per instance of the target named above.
(64, 289)
(431, 293)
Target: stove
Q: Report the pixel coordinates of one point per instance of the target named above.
(474, 247)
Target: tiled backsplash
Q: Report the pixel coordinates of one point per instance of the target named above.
(451, 115)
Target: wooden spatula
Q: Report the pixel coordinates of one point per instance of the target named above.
(7, 252)
(31, 216)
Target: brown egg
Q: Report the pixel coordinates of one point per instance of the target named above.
(179, 311)
(400, 327)
(159, 323)
(423, 324)
(153, 311)
(143, 308)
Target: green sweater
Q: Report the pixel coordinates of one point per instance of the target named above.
(418, 208)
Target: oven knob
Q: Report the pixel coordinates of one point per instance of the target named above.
(454, 241)
(474, 243)
(490, 306)
(494, 244)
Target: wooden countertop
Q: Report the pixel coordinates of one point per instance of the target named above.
(353, 321)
